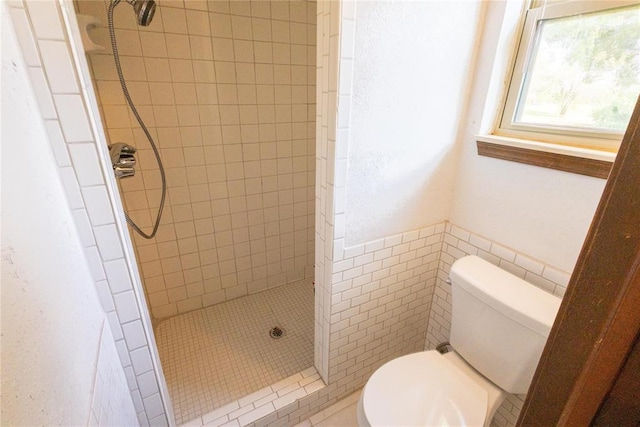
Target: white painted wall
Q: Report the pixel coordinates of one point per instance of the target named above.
(410, 106)
(541, 212)
(52, 322)
(410, 73)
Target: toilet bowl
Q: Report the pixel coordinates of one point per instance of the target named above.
(428, 389)
(499, 326)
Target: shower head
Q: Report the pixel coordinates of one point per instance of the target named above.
(144, 10)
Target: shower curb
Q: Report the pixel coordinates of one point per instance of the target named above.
(264, 402)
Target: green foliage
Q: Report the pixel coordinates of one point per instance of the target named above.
(587, 68)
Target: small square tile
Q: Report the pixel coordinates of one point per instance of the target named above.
(153, 405)
(134, 334)
(117, 274)
(86, 164)
(141, 360)
(98, 205)
(108, 241)
(126, 306)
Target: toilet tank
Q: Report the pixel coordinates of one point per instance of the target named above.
(499, 322)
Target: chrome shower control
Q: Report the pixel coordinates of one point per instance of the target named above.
(123, 172)
(123, 166)
(122, 159)
(126, 160)
(127, 149)
(118, 150)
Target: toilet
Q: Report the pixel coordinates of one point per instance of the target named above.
(499, 326)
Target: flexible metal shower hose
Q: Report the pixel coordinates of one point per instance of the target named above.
(125, 91)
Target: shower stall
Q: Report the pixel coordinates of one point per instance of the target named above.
(226, 92)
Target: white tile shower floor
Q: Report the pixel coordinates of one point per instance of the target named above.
(218, 354)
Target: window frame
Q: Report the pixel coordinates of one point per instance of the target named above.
(606, 142)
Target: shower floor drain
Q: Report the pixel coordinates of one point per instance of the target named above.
(276, 333)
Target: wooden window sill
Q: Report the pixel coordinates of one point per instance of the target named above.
(568, 159)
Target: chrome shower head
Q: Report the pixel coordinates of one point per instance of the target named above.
(144, 10)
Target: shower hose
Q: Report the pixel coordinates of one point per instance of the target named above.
(127, 96)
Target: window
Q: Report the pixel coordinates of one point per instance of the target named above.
(576, 76)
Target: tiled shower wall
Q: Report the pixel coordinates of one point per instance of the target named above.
(227, 89)
(458, 243)
(327, 61)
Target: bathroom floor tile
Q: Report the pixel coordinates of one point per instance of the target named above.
(221, 353)
(344, 418)
(343, 413)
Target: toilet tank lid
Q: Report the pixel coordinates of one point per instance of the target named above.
(521, 301)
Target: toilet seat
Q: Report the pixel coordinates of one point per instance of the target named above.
(423, 389)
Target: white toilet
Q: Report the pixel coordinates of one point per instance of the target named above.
(499, 326)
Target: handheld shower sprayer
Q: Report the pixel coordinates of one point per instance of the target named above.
(122, 154)
(144, 10)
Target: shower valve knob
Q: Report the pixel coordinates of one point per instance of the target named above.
(118, 150)
(124, 172)
(126, 160)
(128, 149)
(122, 159)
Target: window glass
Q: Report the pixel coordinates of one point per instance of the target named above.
(583, 72)
(576, 75)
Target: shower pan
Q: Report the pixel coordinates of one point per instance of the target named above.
(218, 99)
